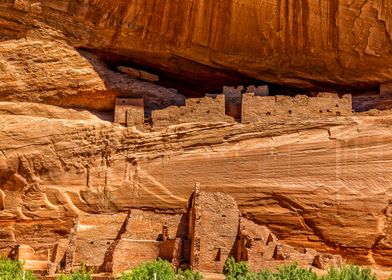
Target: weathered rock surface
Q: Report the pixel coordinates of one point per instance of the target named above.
(44, 68)
(319, 184)
(293, 42)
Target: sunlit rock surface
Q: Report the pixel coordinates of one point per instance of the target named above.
(303, 43)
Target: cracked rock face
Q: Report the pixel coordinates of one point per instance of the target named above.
(303, 43)
(315, 184)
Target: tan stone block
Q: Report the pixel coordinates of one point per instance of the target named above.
(135, 107)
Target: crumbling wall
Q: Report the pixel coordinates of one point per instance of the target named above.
(145, 236)
(214, 230)
(95, 235)
(260, 248)
(129, 111)
(147, 225)
(258, 90)
(233, 101)
(273, 108)
(33, 260)
(206, 109)
(233, 98)
(131, 253)
(256, 244)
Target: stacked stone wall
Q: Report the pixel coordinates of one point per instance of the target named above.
(213, 230)
(207, 109)
(129, 111)
(273, 108)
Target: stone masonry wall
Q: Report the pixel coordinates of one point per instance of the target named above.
(272, 108)
(207, 109)
(147, 225)
(214, 230)
(129, 111)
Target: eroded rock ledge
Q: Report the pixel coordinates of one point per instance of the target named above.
(317, 184)
(303, 43)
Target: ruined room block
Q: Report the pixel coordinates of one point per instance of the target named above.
(177, 253)
(386, 89)
(129, 111)
(233, 110)
(259, 90)
(285, 106)
(37, 261)
(166, 249)
(330, 104)
(207, 109)
(281, 107)
(256, 108)
(256, 244)
(131, 253)
(214, 219)
(135, 117)
(145, 236)
(166, 117)
(91, 251)
(233, 90)
(95, 235)
(233, 102)
(147, 225)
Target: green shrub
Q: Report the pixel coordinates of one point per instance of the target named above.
(241, 271)
(236, 270)
(81, 274)
(349, 272)
(13, 270)
(293, 272)
(188, 275)
(162, 269)
(265, 275)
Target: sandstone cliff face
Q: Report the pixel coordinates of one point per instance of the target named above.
(44, 68)
(316, 184)
(292, 42)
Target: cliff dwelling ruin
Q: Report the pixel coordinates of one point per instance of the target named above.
(236, 105)
(203, 238)
(112, 110)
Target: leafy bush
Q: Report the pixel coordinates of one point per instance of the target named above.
(293, 272)
(237, 270)
(188, 275)
(241, 271)
(162, 269)
(349, 272)
(81, 274)
(13, 270)
(265, 275)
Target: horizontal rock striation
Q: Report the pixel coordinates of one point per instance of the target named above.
(302, 43)
(320, 184)
(44, 68)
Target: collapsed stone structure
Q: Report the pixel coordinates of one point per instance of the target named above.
(207, 109)
(265, 108)
(237, 104)
(129, 111)
(203, 238)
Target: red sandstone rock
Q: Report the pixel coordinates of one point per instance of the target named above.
(44, 68)
(317, 184)
(291, 42)
(68, 178)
